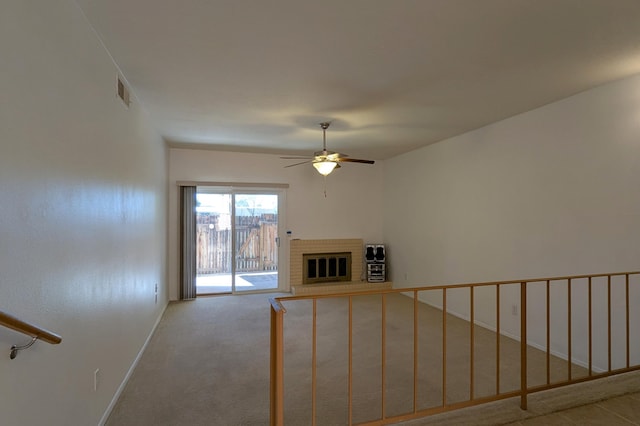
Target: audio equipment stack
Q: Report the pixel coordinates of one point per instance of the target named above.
(374, 256)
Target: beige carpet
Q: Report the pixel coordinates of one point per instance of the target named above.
(208, 364)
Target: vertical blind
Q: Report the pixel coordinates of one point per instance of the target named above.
(188, 239)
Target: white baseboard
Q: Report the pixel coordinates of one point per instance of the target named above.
(116, 396)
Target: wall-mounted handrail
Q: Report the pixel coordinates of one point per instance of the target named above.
(36, 332)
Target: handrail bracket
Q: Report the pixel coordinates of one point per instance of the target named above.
(15, 349)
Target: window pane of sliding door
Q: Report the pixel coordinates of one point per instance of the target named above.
(213, 243)
(256, 244)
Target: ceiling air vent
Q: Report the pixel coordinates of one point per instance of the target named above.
(123, 92)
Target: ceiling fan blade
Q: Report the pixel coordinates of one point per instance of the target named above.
(297, 164)
(297, 157)
(335, 156)
(354, 160)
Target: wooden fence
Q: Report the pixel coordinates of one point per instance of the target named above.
(255, 238)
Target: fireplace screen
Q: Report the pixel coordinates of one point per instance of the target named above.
(326, 267)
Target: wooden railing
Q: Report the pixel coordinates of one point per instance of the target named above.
(583, 321)
(32, 330)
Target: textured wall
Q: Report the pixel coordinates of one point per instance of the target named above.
(82, 217)
(550, 192)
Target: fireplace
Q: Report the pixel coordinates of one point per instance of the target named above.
(326, 267)
(314, 258)
(319, 254)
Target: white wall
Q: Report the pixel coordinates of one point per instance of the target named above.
(351, 209)
(547, 193)
(82, 217)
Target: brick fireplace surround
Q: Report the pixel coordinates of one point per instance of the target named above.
(353, 245)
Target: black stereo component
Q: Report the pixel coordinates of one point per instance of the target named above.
(374, 256)
(374, 253)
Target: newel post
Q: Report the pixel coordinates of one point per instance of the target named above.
(277, 364)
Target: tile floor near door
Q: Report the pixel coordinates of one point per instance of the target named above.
(245, 281)
(621, 410)
(608, 402)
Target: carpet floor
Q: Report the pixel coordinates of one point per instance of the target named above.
(208, 364)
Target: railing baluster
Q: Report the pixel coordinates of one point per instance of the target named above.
(548, 355)
(415, 351)
(626, 297)
(498, 339)
(444, 347)
(523, 345)
(590, 330)
(609, 319)
(471, 346)
(569, 357)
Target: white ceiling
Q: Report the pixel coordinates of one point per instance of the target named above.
(391, 75)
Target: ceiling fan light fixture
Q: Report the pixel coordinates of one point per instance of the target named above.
(325, 161)
(324, 167)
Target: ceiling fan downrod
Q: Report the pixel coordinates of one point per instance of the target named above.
(324, 127)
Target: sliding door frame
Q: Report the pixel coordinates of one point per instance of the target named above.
(234, 188)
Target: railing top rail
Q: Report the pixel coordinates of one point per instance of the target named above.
(450, 286)
(29, 329)
(276, 305)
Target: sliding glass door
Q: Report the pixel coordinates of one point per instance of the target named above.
(237, 241)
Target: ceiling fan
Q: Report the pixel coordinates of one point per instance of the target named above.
(325, 161)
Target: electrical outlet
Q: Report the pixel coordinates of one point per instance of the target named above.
(96, 379)
(514, 309)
